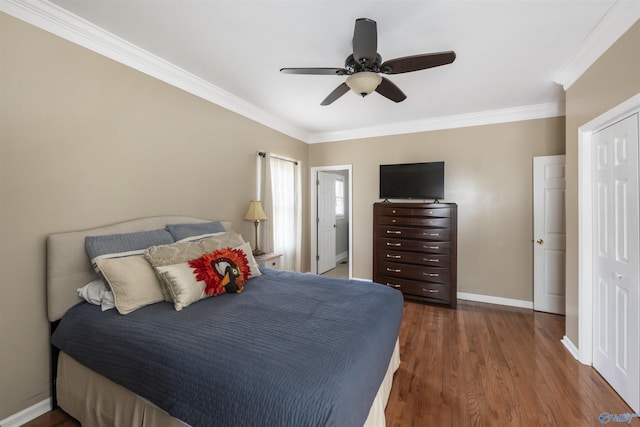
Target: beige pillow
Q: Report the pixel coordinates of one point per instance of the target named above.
(133, 282)
(179, 252)
(209, 275)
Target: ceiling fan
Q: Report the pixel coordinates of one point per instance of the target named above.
(364, 66)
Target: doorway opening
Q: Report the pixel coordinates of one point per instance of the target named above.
(331, 219)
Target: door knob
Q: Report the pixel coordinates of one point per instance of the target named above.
(539, 241)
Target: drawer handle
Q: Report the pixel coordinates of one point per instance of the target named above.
(394, 244)
(430, 274)
(393, 211)
(393, 221)
(430, 260)
(394, 256)
(429, 247)
(431, 234)
(394, 270)
(392, 285)
(394, 232)
(431, 291)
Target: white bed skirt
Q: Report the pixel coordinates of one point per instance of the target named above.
(95, 400)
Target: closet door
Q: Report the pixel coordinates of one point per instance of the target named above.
(616, 256)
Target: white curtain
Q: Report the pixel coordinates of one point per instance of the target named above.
(282, 203)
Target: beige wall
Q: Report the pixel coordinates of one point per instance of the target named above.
(488, 173)
(612, 79)
(85, 142)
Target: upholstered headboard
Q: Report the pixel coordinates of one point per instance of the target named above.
(69, 267)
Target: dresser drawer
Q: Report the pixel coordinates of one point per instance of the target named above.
(391, 211)
(414, 246)
(414, 272)
(432, 212)
(432, 222)
(271, 260)
(395, 220)
(413, 233)
(409, 287)
(420, 221)
(413, 212)
(433, 260)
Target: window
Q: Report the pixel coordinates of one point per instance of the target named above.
(339, 180)
(285, 219)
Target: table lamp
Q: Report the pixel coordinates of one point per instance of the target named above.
(255, 213)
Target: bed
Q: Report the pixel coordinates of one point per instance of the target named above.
(278, 348)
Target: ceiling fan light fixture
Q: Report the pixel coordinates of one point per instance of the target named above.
(363, 66)
(364, 82)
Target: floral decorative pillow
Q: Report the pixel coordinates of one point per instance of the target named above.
(224, 270)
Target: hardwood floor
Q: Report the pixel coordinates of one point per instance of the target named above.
(485, 364)
(482, 365)
(55, 418)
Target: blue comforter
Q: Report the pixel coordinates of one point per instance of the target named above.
(291, 350)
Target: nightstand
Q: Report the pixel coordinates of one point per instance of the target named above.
(271, 260)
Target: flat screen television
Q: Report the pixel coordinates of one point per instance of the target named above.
(412, 181)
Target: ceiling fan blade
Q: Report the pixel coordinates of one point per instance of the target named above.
(417, 62)
(337, 93)
(315, 71)
(389, 90)
(365, 40)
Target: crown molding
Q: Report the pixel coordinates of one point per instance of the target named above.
(529, 112)
(620, 17)
(56, 20)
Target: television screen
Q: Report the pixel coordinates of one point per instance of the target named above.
(412, 181)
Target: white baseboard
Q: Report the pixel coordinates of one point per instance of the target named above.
(495, 300)
(484, 298)
(341, 256)
(28, 414)
(571, 347)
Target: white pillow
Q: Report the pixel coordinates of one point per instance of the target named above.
(185, 289)
(97, 293)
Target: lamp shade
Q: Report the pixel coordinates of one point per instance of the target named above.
(255, 211)
(364, 82)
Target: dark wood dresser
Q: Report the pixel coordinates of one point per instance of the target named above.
(415, 249)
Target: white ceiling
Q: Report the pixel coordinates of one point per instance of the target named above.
(508, 52)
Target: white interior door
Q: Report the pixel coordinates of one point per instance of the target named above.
(616, 297)
(549, 237)
(326, 255)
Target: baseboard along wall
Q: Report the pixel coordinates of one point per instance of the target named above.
(28, 414)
